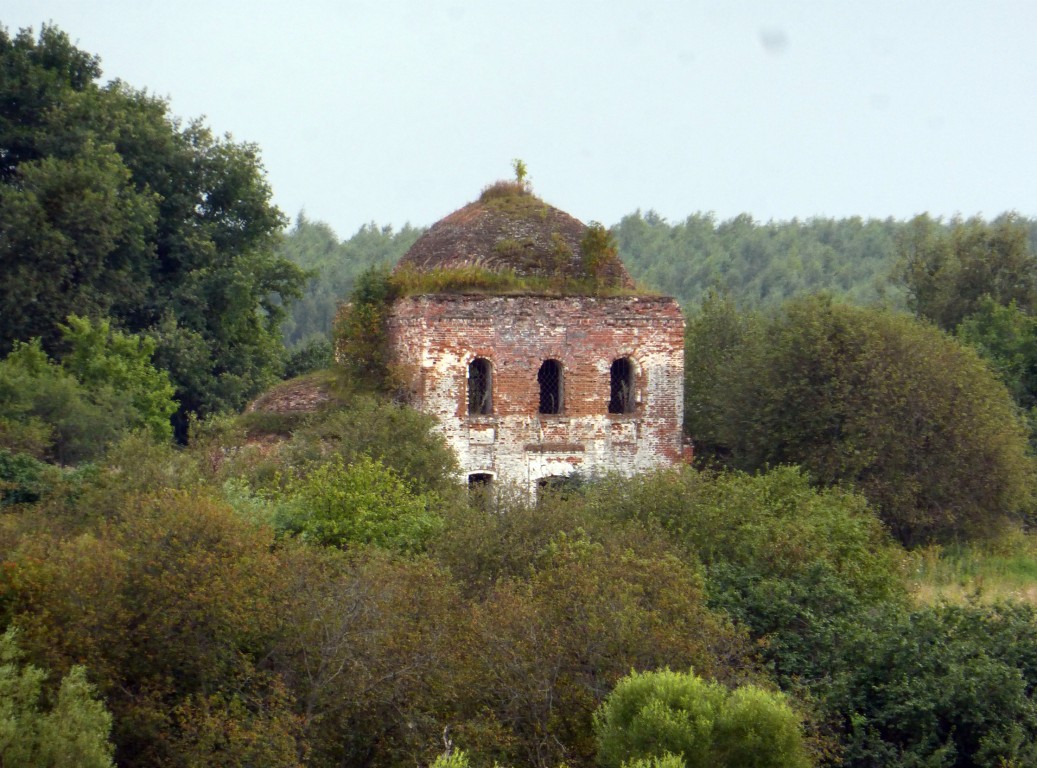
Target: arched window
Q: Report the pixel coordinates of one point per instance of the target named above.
(480, 480)
(550, 379)
(480, 387)
(621, 386)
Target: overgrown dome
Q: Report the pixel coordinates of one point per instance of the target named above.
(510, 229)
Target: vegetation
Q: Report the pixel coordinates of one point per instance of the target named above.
(950, 271)
(659, 714)
(761, 265)
(74, 731)
(867, 397)
(312, 587)
(333, 268)
(114, 210)
(70, 412)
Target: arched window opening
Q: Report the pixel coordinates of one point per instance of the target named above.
(621, 386)
(480, 387)
(480, 480)
(550, 380)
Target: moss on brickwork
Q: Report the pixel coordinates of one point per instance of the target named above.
(510, 230)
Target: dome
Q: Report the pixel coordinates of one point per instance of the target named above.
(510, 229)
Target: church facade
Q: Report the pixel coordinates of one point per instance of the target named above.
(531, 387)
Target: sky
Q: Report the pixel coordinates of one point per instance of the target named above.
(397, 112)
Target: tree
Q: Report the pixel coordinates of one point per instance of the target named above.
(46, 413)
(948, 270)
(70, 412)
(109, 207)
(901, 411)
(654, 714)
(760, 265)
(938, 685)
(547, 648)
(100, 357)
(73, 732)
(171, 601)
(361, 336)
(1006, 337)
(334, 268)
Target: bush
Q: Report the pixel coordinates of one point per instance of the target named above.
(654, 714)
(21, 478)
(312, 354)
(74, 731)
(943, 685)
(361, 503)
(399, 437)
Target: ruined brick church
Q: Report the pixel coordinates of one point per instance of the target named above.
(568, 369)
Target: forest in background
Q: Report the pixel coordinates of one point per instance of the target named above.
(758, 265)
(183, 583)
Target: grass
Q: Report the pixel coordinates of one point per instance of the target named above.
(408, 282)
(1003, 569)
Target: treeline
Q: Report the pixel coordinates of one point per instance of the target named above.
(333, 267)
(761, 265)
(757, 265)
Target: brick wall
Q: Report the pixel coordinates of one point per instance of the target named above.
(435, 338)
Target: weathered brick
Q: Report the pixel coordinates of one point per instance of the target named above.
(435, 337)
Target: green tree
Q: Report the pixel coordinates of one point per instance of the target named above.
(907, 415)
(654, 714)
(100, 357)
(334, 268)
(361, 337)
(1006, 337)
(948, 270)
(400, 438)
(73, 732)
(939, 685)
(68, 413)
(111, 207)
(760, 265)
(170, 600)
(45, 412)
(547, 648)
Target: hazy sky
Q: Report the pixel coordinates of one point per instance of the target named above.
(401, 112)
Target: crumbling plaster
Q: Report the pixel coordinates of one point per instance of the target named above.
(435, 337)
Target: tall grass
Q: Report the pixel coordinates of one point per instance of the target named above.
(1004, 568)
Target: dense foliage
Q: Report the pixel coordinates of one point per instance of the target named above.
(111, 208)
(313, 588)
(761, 264)
(873, 398)
(74, 731)
(704, 724)
(299, 602)
(70, 412)
(950, 270)
(334, 267)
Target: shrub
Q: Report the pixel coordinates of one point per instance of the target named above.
(360, 503)
(653, 714)
(74, 731)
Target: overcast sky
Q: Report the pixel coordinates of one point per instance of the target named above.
(399, 112)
